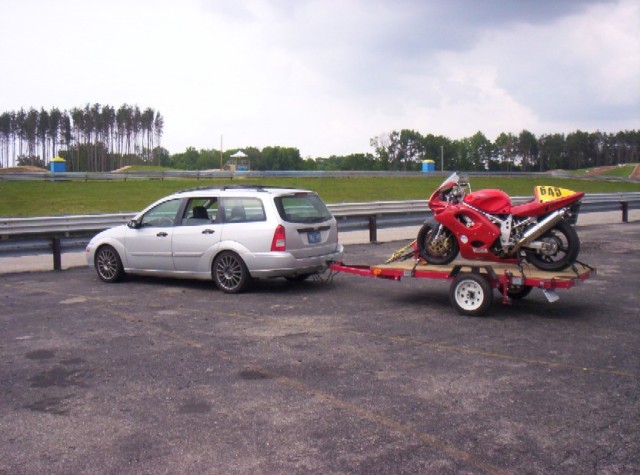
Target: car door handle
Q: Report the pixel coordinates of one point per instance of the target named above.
(162, 234)
(208, 231)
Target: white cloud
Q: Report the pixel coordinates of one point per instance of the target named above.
(610, 43)
(326, 75)
(553, 77)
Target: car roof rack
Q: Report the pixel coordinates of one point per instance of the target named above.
(235, 187)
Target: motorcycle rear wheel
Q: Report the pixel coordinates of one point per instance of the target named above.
(564, 245)
(439, 252)
(517, 292)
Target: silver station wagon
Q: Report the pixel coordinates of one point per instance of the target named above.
(229, 234)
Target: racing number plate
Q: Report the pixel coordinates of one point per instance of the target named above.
(314, 237)
(549, 193)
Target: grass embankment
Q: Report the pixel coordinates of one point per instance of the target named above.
(618, 171)
(621, 172)
(46, 198)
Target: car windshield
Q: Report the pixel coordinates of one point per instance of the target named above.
(302, 208)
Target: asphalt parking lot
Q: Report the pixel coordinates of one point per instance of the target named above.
(353, 376)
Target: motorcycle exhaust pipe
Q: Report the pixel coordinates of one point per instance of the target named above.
(542, 227)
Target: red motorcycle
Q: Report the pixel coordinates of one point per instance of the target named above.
(484, 225)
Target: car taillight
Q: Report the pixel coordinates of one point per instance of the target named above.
(279, 242)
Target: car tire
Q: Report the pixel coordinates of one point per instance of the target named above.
(108, 264)
(230, 273)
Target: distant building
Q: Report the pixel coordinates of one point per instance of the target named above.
(238, 162)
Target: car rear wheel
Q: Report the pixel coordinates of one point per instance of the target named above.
(108, 264)
(230, 273)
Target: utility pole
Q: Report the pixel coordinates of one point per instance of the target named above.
(442, 157)
(220, 152)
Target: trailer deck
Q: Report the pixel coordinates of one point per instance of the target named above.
(473, 281)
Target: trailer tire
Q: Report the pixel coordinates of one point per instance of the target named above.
(471, 294)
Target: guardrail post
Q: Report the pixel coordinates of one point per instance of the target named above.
(57, 258)
(625, 211)
(373, 229)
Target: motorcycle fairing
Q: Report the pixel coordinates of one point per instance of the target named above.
(551, 193)
(476, 232)
(490, 201)
(545, 200)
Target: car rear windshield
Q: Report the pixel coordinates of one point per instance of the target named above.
(302, 208)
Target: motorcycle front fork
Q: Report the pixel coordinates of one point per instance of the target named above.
(438, 233)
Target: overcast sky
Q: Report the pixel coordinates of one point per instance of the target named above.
(325, 76)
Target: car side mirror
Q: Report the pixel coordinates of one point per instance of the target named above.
(133, 224)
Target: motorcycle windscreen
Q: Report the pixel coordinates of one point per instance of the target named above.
(453, 178)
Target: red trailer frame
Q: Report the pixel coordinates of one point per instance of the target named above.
(471, 291)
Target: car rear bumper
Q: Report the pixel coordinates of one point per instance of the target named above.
(284, 264)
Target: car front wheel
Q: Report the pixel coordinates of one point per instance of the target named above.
(108, 264)
(230, 273)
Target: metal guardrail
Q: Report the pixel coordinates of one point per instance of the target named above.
(55, 234)
(212, 174)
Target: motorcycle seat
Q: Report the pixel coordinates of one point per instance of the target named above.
(530, 208)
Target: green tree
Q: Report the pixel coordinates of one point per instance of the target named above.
(7, 120)
(551, 152)
(403, 150)
(162, 157)
(580, 153)
(188, 160)
(30, 131)
(382, 147)
(437, 148)
(528, 149)
(208, 159)
(279, 158)
(506, 149)
(55, 124)
(481, 151)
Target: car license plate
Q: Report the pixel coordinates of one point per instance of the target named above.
(314, 237)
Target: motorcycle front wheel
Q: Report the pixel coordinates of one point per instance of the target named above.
(561, 246)
(440, 250)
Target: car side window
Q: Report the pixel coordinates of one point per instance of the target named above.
(243, 210)
(162, 215)
(200, 211)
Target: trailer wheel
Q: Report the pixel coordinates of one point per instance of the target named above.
(471, 294)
